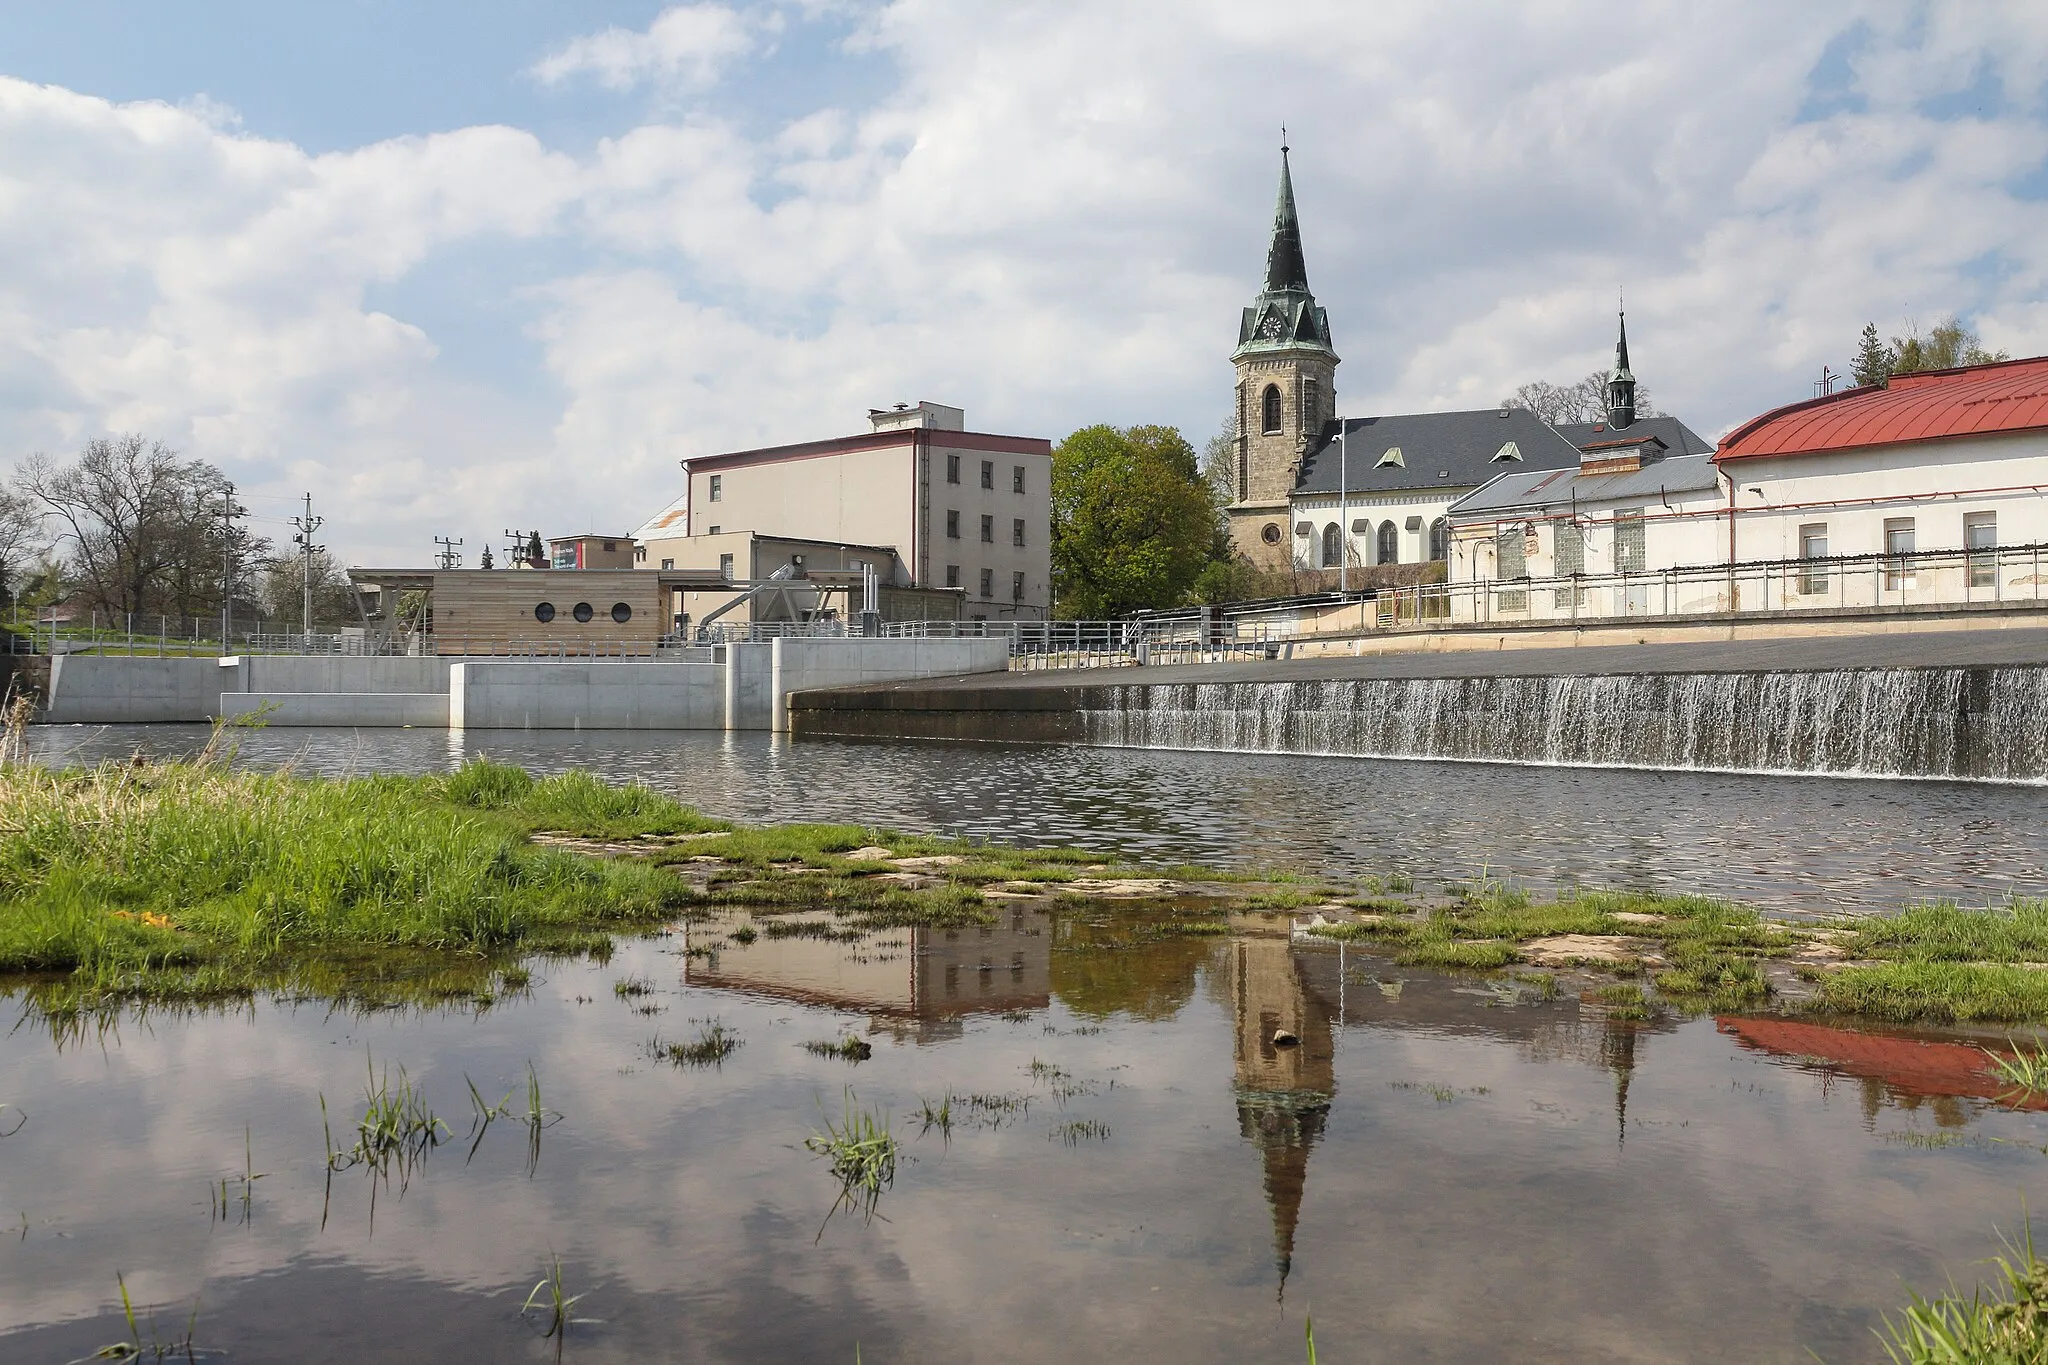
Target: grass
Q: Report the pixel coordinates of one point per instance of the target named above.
(847, 1049)
(549, 1298)
(1938, 992)
(133, 1348)
(712, 1045)
(397, 1128)
(2006, 1324)
(862, 1151)
(2024, 1069)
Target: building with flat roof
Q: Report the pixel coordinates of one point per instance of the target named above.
(940, 507)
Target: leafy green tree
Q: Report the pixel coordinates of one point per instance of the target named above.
(1133, 521)
(1950, 344)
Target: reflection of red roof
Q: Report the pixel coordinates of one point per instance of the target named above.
(2009, 396)
(1916, 1065)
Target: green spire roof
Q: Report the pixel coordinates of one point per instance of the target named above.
(1285, 314)
(1286, 270)
(1621, 370)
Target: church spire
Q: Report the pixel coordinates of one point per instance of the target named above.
(1621, 384)
(1286, 270)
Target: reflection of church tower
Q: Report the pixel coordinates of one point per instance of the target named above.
(1618, 1054)
(1286, 389)
(1283, 1092)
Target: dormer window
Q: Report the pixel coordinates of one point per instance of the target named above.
(1269, 416)
(1508, 451)
(1392, 457)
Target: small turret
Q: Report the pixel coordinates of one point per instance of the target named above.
(1621, 385)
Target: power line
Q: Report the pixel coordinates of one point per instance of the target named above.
(450, 556)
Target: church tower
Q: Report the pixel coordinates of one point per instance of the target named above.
(1286, 390)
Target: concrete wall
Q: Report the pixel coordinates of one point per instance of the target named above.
(568, 695)
(373, 709)
(800, 665)
(99, 690)
(339, 673)
(749, 683)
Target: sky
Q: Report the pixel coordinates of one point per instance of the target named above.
(456, 267)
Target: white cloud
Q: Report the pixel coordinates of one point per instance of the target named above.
(1047, 213)
(689, 45)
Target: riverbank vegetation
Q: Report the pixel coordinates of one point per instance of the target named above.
(200, 881)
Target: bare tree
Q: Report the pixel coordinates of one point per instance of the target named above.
(140, 530)
(282, 591)
(1585, 401)
(21, 540)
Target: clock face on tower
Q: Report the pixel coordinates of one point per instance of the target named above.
(1270, 328)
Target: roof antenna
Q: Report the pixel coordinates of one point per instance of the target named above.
(1283, 139)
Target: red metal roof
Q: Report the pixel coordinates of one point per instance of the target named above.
(2009, 396)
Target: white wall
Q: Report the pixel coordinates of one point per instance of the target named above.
(383, 710)
(801, 664)
(860, 497)
(1320, 511)
(567, 695)
(119, 690)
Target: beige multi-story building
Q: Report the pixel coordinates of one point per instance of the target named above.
(931, 504)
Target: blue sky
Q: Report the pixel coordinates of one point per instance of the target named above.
(458, 266)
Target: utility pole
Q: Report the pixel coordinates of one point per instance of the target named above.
(515, 549)
(450, 557)
(228, 565)
(307, 525)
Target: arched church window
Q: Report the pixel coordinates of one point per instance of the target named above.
(1269, 416)
(1333, 545)
(1440, 539)
(1390, 543)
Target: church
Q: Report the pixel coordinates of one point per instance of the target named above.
(1315, 491)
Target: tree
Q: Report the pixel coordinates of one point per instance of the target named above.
(1219, 468)
(1585, 401)
(140, 530)
(21, 540)
(1133, 522)
(283, 587)
(1950, 344)
(1874, 359)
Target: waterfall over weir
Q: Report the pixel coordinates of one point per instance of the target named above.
(1987, 723)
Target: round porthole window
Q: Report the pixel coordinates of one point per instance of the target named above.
(544, 613)
(1271, 535)
(583, 613)
(621, 613)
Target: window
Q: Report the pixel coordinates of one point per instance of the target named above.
(725, 567)
(953, 525)
(716, 529)
(988, 530)
(668, 564)
(1813, 545)
(988, 474)
(1270, 411)
(1333, 545)
(1390, 543)
(1440, 539)
(611, 545)
(582, 612)
(952, 469)
(622, 612)
(1310, 413)
(544, 613)
(718, 487)
(1980, 538)
(1244, 468)
(1898, 544)
(1017, 586)
(1241, 428)
(1631, 549)
(1016, 478)
(988, 582)
(1017, 532)
(1511, 561)
(1508, 451)
(1271, 533)
(952, 575)
(1391, 457)
(1568, 553)
(639, 554)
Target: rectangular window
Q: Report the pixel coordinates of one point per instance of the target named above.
(1980, 538)
(988, 474)
(1631, 543)
(1511, 561)
(1310, 409)
(1813, 545)
(718, 487)
(988, 582)
(668, 564)
(1017, 532)
(725, 567)
(1898, 545)
(1244, 468)
(716, 529)
(952, 575)
(1570, 557)
(988, 530)
(952, 469)
(1016, 478)
(1017, 586)
(953, 525)
(611, 546)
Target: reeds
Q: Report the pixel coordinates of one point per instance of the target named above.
(250, 1175)
(2024, 1069)
(712, 1045)
(133, 1349)
(555, 1306)
(2006, 1325)
(847, 1049)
